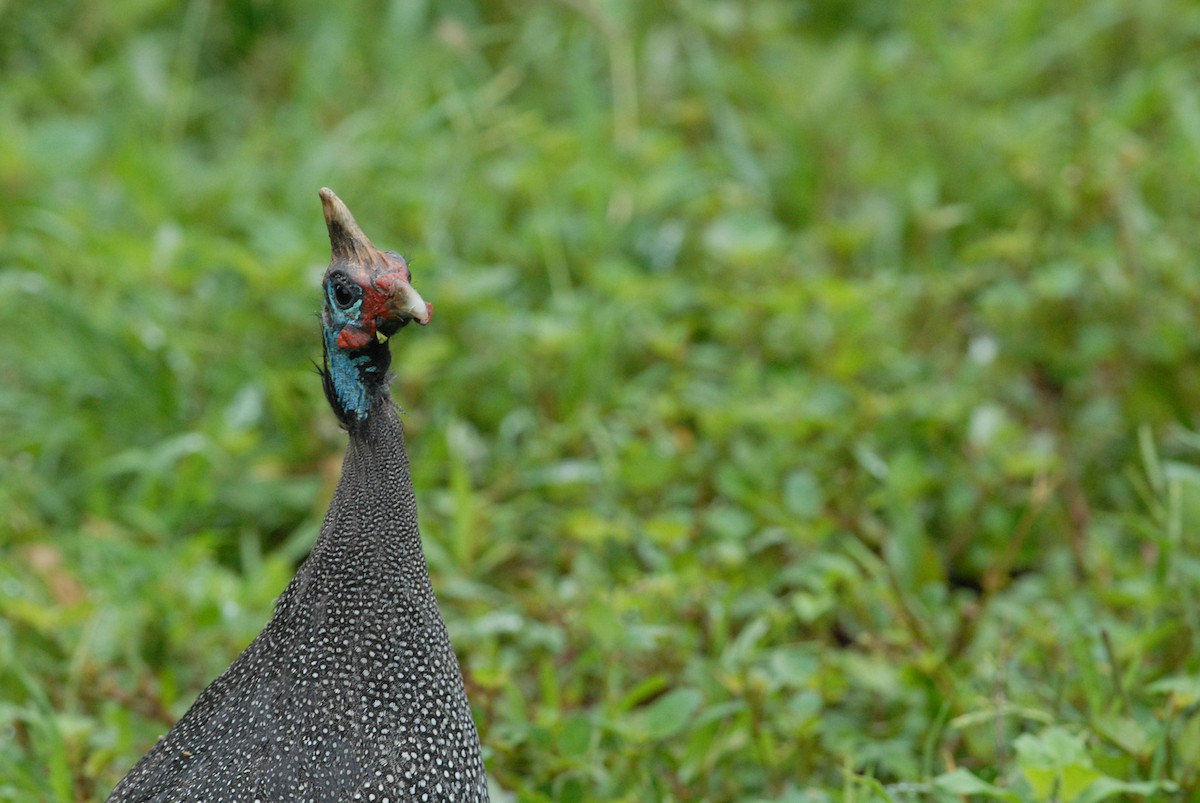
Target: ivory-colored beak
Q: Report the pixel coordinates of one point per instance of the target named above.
(405, 303)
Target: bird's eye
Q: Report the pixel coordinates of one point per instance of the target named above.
(344, 293)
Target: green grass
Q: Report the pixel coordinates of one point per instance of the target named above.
(809, 413)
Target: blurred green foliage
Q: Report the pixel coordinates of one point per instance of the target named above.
(807, 414)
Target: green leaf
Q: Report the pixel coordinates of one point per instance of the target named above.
(576, 736)
(1056, 762)
(964, 782)
(802, 494)
(1185, 688)
(669, 714)
(1104, 788)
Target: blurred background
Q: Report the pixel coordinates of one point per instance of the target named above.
(808, 413)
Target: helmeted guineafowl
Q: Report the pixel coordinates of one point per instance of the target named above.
(352, 691)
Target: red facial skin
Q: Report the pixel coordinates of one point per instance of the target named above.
(376, 306)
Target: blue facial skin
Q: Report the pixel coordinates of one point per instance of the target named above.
(345, 369)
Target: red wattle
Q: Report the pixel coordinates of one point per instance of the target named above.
(353, 338)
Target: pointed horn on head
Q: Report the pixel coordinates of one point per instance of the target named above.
(346, 239)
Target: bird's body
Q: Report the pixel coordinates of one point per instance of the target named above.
(352, 690)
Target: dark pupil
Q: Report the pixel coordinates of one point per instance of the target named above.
(342, 295)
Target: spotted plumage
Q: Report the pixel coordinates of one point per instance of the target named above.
(352, 690)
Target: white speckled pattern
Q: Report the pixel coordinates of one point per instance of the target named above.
(352, 691)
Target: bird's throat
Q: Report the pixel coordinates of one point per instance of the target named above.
(355, 379)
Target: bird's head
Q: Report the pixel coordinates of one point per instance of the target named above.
(368, 298)
(368, 292)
